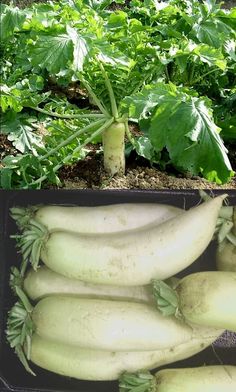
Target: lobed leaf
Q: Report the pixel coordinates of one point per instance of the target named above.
(52, 52)
(187, 130)
(11, 20)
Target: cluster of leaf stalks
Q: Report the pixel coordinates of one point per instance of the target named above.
(169, 67)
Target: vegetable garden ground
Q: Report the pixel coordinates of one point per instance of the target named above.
(189, 66)
(89, 174)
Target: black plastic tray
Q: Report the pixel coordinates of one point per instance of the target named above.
(13, 376)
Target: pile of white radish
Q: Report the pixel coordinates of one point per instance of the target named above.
(95, 307)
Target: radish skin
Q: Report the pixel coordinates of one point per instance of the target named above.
(44, 282)
(107, 325)
(113, 140)
(96, 365)
(226, 257)
(104, 219)
(220, 378)
(208, 298)
(135, 257)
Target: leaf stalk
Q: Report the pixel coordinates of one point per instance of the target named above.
(94, 97)
(114, 108)
(68, 116)
(70, 138)
(69, 157)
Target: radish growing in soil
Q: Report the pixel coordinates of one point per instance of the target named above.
(121, 72)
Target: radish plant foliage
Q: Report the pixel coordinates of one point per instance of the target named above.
(169, 67)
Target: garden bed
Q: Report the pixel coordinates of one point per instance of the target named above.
(89, 173)
(178, 106)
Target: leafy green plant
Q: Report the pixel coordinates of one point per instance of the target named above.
(168, 66)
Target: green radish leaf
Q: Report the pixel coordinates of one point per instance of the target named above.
(230, 48)
(23, 137)
(10, 99)
(17, 97)
(166, 298)
(207, 33)
(80, 48)
(11, 20)
(24, 168)
(145, 149)
(36, 82)
(211, 56)
(184, 125)
(117, 20)
(182, 62)
(229, 129)
(229, 18)
(141, 105)
(29, 244)
(52, 52)
(140, 382)
(187, 130)
(212, 32)
(20, 328)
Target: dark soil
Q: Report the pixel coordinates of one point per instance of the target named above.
(89, 173)
(139, 174)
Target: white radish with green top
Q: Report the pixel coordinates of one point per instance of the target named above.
(96, 219)
(135, 257)
(44, 282)
(107, 325)
(204, 298)
(61, 333)
(97, 365)
(219, 378)
(113, 140)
